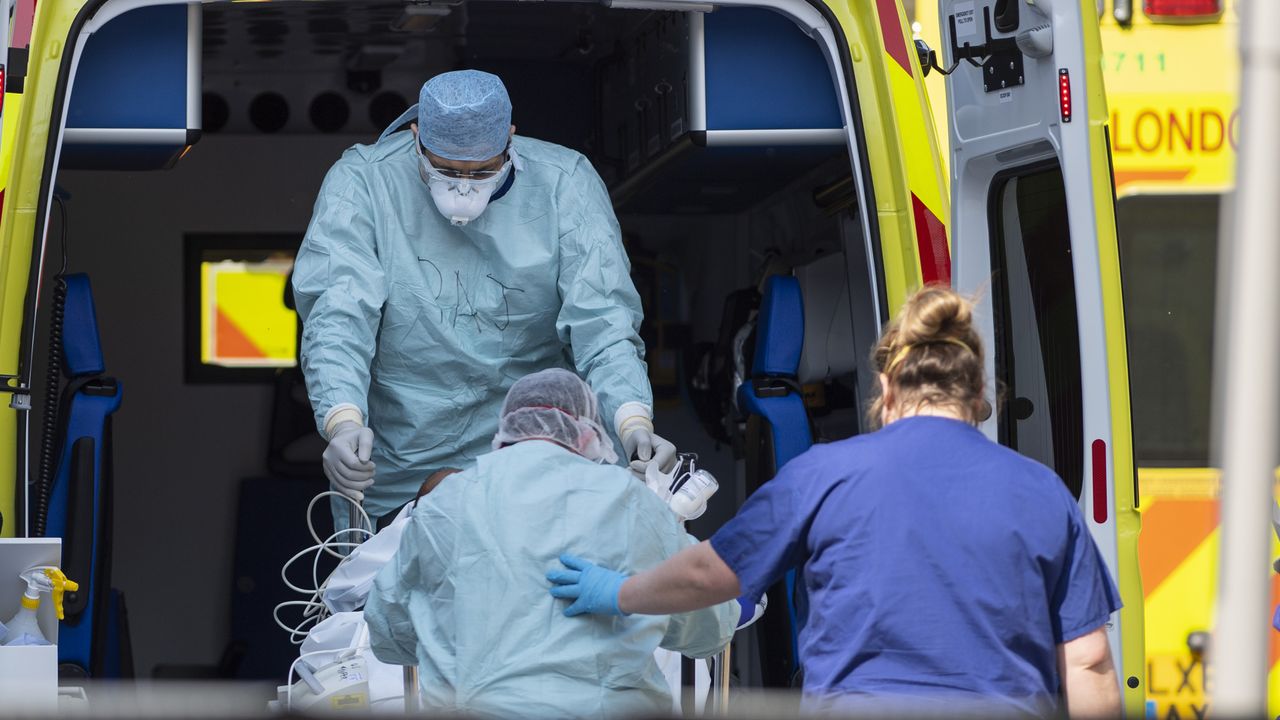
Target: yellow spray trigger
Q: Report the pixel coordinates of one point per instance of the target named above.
(60, 585)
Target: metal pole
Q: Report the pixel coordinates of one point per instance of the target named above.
(723, 708)
(410, 689)
(411, 705)
(1248, 376)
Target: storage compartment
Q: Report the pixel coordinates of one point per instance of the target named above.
(765, 82)
(721, 107)
(135, 104)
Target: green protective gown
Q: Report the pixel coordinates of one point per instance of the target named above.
(424, 326)
(466, 598)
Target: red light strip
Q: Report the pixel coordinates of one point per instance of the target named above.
(1182, 9)
(1064, 94)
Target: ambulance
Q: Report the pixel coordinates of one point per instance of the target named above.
(1172, 76)
(171, 153)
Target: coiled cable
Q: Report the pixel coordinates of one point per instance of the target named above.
(50, 447)
(313, 608)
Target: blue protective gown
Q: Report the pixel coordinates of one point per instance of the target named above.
(424, 326)
(465, 597)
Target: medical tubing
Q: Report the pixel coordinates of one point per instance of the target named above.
(315, 568)
(298, 633)
(365, 525)
(49, 445)
(314, 609)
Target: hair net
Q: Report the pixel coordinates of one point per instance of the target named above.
(554, 405)
(464, 115)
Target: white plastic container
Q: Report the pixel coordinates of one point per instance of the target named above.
(28, 674)
(690, 499)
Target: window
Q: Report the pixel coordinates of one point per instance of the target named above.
(1168, 256)
(239, 327)
(1037, 344)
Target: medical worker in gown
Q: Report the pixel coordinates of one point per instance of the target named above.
(443, 262)
(465, 598)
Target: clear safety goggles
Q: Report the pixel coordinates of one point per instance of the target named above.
(475, 178)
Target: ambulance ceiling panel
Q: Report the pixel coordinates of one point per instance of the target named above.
(368, 60)
(246, 37)
(576, 73)
(312, 36)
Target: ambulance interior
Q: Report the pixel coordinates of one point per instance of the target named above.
(214, 448)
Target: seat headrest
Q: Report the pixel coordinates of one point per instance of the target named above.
(829, 346)
(780, 328)
(81, 347)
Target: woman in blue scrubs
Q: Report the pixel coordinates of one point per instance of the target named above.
(940, 567)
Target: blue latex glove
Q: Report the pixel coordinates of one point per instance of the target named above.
(592, 588)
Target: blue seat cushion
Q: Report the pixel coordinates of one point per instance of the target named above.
(81, 347)
(779, 329)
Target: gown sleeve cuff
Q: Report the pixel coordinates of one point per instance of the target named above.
(631, 415)
(341, 413)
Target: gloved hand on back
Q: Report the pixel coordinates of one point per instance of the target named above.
(593, 589)
(346, 459)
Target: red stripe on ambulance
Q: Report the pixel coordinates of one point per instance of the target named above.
(894, 42)
(931, 236)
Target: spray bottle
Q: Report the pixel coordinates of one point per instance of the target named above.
(22, 628)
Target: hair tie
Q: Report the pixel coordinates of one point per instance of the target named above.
(902, 353)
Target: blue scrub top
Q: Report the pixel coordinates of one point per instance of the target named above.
(938, 564)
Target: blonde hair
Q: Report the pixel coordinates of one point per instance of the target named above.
(932, 356)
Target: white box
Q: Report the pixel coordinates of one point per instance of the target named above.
(29, 675)
(29, 678)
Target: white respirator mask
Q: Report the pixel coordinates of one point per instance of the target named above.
(462, 198)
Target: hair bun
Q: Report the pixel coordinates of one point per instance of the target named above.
(936, 313)
(931, 355)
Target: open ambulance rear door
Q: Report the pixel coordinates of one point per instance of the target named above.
(1033, 235)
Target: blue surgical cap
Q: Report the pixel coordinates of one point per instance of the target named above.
(464, 115)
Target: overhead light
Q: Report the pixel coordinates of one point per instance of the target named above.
(418, 18)
(671, 5)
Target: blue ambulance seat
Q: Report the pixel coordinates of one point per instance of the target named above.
(90, 639)
(773, 392)
(772, 395)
